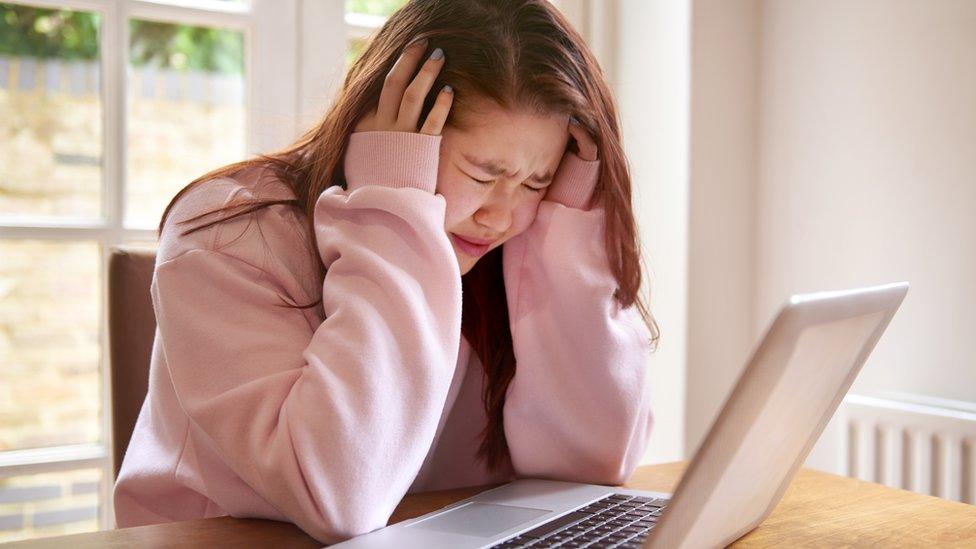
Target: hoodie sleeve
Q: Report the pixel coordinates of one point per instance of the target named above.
(578, 408)
(329, 426)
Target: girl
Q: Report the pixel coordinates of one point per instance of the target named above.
(435, 287)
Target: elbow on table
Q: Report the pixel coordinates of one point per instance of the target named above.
(616, 473)
(607, 469)
(609, 460)
(608, 476)
(615, 467)
(344, 524)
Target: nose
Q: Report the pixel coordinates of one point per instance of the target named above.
(496, 212)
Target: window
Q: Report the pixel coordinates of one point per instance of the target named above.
(363, 17)
(106, 110)
(185, 110)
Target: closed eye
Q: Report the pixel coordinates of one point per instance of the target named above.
(490, 181)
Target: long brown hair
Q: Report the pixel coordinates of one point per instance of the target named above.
(523, 54)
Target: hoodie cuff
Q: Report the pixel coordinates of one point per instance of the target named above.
(574, 181)
(392, 159)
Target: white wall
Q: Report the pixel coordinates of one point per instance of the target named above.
(721, 276)
(867, 174)
(652, 71)
(861, 139)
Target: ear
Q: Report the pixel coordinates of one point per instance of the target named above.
(572, 145)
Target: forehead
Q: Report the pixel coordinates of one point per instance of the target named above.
(513, 139)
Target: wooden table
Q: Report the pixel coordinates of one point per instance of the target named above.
(818, 510)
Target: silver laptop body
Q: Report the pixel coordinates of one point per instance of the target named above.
(781, 403)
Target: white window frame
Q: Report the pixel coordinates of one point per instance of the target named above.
(272, 114)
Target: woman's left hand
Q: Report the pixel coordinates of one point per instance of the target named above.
(586, 145)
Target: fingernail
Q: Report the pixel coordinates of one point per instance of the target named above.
(438, 53)
(574, 121)
(419, 42)
(448, 89)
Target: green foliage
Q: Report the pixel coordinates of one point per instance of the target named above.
(185, 47)
(38, 32)
(66, 34)
(355, 49)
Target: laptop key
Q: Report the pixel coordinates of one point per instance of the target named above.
(556, 524)
(655, 504)
(642, 499)
(610, 500)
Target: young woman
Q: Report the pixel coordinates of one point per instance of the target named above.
(435, 287)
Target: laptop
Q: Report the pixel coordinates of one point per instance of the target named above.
(781, 403)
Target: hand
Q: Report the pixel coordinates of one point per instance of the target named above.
(586, 147)
(578, 172)
(400, 104)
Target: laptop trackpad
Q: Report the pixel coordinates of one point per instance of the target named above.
(480, 519)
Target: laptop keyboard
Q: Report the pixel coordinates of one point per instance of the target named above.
(617, 520)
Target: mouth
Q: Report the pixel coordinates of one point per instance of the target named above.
(471, 248)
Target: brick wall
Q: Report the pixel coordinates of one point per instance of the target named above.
(180, 125)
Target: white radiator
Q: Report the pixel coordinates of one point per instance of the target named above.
(919, 447)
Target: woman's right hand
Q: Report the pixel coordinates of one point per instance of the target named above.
(401, 101)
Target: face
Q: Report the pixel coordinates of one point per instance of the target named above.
(494, 173)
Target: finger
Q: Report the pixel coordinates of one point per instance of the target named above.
(396, 82)
(413, 98)
(437, 116)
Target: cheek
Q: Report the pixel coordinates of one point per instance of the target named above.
(461, 202)
(523, 216)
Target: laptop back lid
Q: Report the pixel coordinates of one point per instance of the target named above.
(781, 403)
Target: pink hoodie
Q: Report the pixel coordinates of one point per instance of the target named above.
(256, 410)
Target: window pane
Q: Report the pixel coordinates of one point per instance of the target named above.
(49, 343)
(186, 111)
(374, 7)
(50, 113)
(49, 504)
(356, 46)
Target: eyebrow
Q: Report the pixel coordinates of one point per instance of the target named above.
(495, 168)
